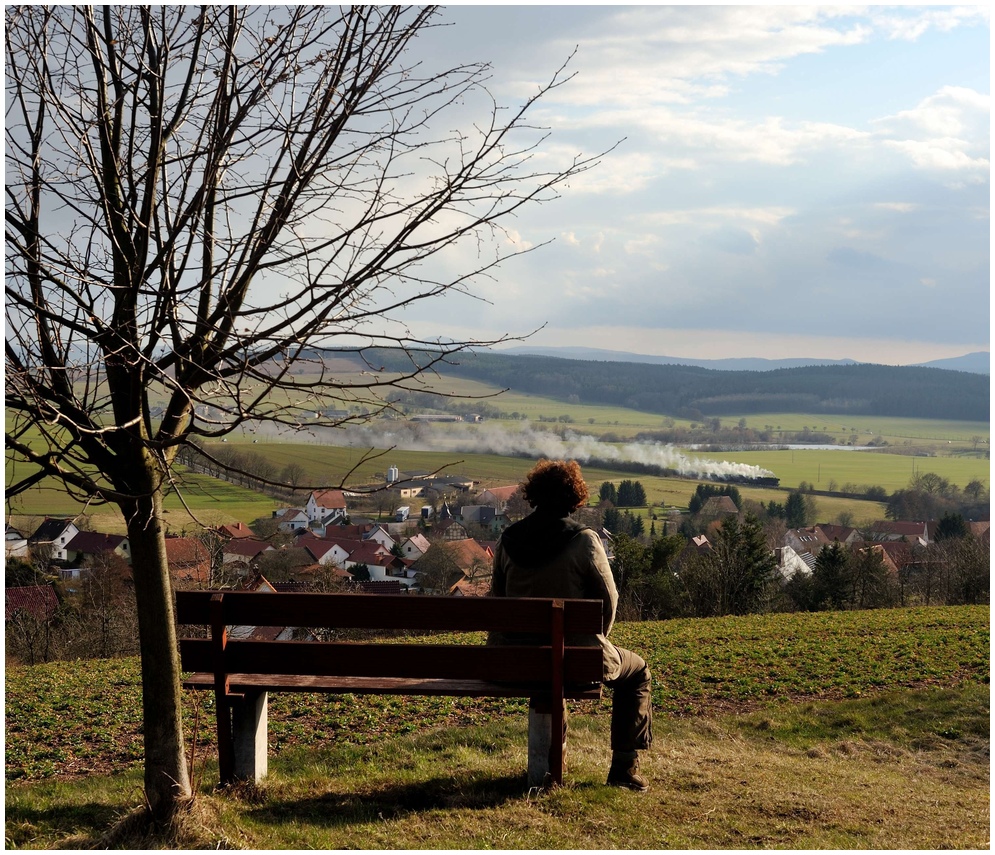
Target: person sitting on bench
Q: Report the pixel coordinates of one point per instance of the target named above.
(547, 554)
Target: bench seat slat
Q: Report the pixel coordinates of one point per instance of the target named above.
(389, 611)
(386, 686)
(412, 661)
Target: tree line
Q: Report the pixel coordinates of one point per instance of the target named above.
(698, 393)
(663, 578)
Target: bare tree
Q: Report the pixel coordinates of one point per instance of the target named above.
(201, 199)
(439, 568)
(517, 507)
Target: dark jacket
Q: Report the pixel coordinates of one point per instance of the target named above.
(545, 555)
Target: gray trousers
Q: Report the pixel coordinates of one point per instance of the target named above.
(632, 709)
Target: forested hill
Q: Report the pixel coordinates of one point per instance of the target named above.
(690, 392)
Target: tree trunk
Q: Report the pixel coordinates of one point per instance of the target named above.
(167, 782)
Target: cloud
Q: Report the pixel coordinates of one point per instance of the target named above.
(942, 154)
(910, 24)
(947, 132)
(899, 207)
(763, 216)
(775, 162)
(648, 56)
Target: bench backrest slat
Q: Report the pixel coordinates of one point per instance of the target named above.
(442, 661)
(389, 611)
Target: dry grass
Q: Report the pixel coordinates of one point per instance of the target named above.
(736, 781)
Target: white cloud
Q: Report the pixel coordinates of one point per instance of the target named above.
(900, 207)
(942, 154)
(948, 131)
(641, 245)
(648, 56)
(952, 111)
(910, 25)
(710, 216)
(514, 239)
(620, 172)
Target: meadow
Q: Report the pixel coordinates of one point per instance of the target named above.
(213, 501)
(956, 451)
(834, 730)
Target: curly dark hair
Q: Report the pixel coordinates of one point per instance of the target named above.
(555, 485)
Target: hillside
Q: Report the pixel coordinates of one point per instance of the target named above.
(836, 730)
(684, 391)
(978, 362)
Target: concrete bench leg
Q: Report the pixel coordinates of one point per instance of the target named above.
(540, 741)
(249, 727)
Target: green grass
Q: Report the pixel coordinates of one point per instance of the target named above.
(212, 501)
(861, 730)
(700, 664)
(958, 457)
(891, 471)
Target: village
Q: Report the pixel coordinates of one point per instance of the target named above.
(371, 541)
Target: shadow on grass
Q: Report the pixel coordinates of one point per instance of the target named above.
(394, 800)
(23, 824)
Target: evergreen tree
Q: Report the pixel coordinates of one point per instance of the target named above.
(830, 578)
(608, 493)
(871, 586)
(951, 525)
(629, 564)
(612, 520)
(744, 567)
(626, 494)
(795, 510)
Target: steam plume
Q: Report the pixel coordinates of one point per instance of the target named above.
(528, 442)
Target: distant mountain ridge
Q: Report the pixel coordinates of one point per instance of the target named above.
(693, 392)
(976, 363)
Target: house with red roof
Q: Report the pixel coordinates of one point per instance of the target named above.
(719, 506)
(244, 550)
(39, 601)
(497, 497)
(291, 519)
(358, 531)
(91, 544)
(911, 532)
(326, 506)
(414, 547)
(234, 531)
(450, 530)
(326, 551)
(189, 562)
(803, 540)
(846, 535)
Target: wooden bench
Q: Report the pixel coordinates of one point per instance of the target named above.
(242, 672)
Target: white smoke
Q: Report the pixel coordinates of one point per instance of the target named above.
(490, 438)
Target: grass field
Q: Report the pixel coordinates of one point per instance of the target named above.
(625, 422)
(858, 730)
(891, 471)
(213, 502)
(958, 449)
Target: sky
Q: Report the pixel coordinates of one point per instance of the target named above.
(788, 181)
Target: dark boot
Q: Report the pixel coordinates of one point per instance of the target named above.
(624, 772)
